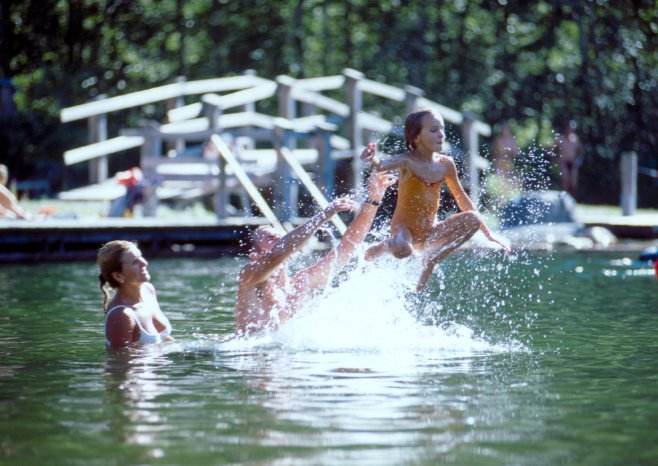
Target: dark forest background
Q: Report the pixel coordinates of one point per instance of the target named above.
(536, 65)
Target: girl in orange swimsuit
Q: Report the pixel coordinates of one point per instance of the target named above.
(422, 171)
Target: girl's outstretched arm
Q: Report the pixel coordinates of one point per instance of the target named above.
(464, 202)
(396, 161)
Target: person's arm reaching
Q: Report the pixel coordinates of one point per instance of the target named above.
(317, 276)
(260, 269)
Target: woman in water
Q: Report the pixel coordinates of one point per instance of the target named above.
(133, 315)
(422, 171)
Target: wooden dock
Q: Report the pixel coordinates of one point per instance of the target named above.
(59, 240)
(638, 226)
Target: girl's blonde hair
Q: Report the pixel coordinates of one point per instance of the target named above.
(109, 261)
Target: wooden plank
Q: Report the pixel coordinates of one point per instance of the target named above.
(251, 189)
(326, 103)
(185, 112)
(309, 123)
(239, 119)
(243, 97)
(195, 125)
(310, 186)
(382, 90)
(339, 142)
(157, 94)
(374, 123)
(482, 128)
(99, 149)
(448, 114)
(268, 156)
(323, 83)
(232, 83)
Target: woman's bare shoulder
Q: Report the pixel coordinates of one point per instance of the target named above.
(120, 313)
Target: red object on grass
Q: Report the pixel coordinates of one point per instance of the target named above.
(130, 177)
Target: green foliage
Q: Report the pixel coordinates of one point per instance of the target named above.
(536, 64)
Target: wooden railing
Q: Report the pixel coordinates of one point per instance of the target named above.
(315, 127)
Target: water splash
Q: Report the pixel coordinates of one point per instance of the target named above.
(373, 308)
(477, 300)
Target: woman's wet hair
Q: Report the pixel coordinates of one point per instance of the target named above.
(413, 125)
(109, 260)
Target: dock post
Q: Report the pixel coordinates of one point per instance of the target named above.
(97, 127)
(178, 145)
(149, 153)
(471, 177)
(326, 162)
(411, 96)
(285, 194)
(249, 107)
(220, 200)
(354, 130)
(285, 199)
(628, 183)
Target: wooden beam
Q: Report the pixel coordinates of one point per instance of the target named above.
(304, 95)
(251, 189)
(99, 149)
(371, 122)
(310, 186)
(382, 90)
(239, 98)
(450, 115)
(157, 94)
(185, 112)
(323, 83)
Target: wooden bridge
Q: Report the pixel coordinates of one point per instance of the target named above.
(221, 144)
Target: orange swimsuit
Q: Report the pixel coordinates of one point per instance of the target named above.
(417, 206)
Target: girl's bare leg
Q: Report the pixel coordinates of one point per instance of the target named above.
(447, 236)
(400, 245)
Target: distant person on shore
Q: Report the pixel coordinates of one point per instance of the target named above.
(133, 180)
(133, 315)
(571, 155)
(422, 171)
(267, 297)
(9, 206)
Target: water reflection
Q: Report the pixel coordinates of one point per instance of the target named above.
(134, 383)
(520, 374)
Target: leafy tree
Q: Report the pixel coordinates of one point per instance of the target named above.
(535, 64)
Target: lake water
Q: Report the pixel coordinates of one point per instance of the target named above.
(535, 359)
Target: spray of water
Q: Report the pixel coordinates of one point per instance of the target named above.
(476, 300)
